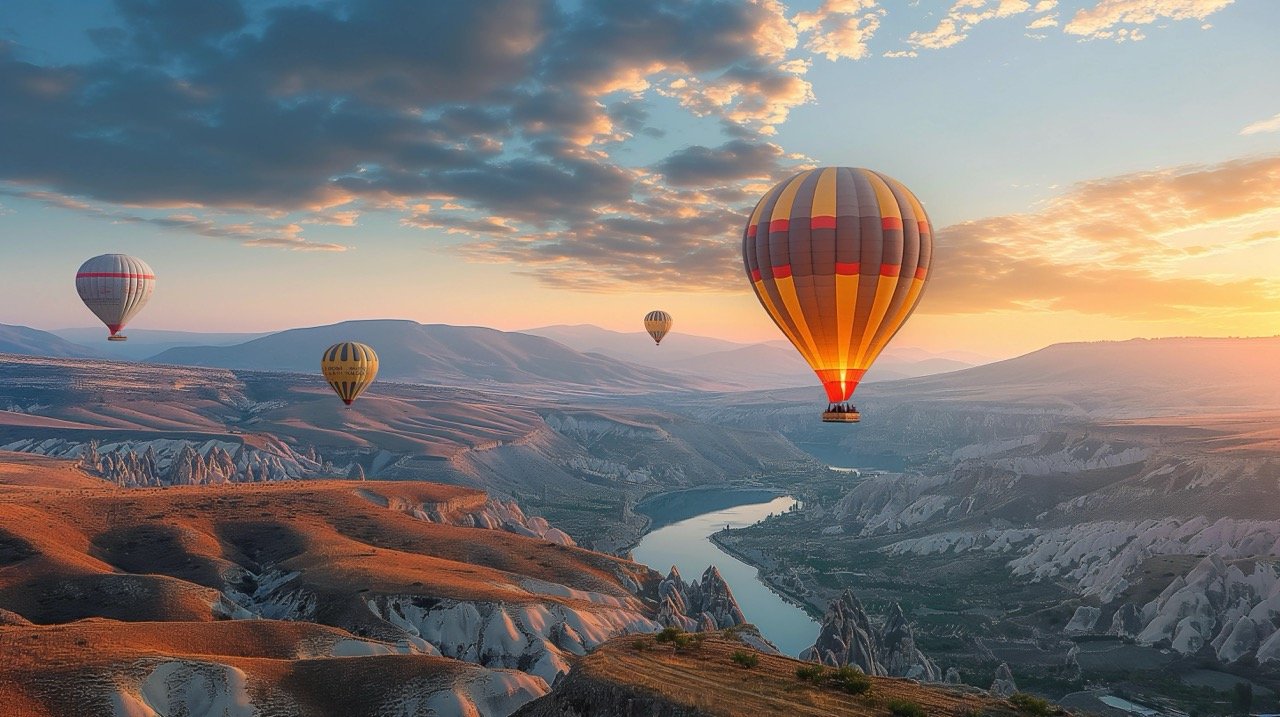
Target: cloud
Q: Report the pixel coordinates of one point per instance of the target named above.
(732, 161)
(1117, 19)
(1271, 124)
(1043, 22)
(1113, 237)
(250, 234)
(841, 29)
(963, 16)
(509, 112)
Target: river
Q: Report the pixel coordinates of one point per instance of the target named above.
(683, 541)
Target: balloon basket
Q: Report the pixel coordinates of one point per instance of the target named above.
(117, 338)
(841, 413)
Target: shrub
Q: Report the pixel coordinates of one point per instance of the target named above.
(1030, 704)
(850, 680)
(906, 708)
(810, 673)
(745, 659)
(668, 634)
(641, 644)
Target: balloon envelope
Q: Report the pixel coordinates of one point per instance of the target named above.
(349, 367)
(657, 323)
(838, 257)
(115, 287)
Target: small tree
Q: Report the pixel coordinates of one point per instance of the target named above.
(745, 659)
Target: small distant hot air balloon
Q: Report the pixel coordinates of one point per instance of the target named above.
(838, 258)
(349, 367)
(657, 323)
(115, 287)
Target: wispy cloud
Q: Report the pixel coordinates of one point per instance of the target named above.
(841, 29)
(251, 234)
(1105, 247)
(1271, 124)
(1120, 19)
(963, 16)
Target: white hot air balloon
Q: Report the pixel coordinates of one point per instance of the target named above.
(115, 287)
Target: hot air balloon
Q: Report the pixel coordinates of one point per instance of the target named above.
(838, 258)
(349, 367)
(115, 287)
(657, 323)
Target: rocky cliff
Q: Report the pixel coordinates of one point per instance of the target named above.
(702, 605)
(849, 638)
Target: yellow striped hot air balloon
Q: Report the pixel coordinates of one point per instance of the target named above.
(349, 367)
(657, 323)
(838, 257)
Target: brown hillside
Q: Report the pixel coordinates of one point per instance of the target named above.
(620, 680)
(167, 553)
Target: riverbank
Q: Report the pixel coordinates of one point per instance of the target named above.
(813, 605)
(688, 545)
(659, 503)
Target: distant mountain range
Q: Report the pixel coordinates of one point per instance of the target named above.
(33, 342)
(145, 343)
(768, 364)
(581, 358)
(439, 354)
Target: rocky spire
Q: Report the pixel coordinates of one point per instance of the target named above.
(848, 638)
(898, 652)
(706, 604)
(1003, 685)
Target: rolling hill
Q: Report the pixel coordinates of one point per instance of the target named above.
(445, 355)
(144, 343)
(146, 424)
(315, 598)
(33, 342)
(768, 364)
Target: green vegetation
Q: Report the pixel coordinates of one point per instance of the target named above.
(745, 659)
(641, 644)
(1030, 704)
(680, 639)
(906, 708)
(810, 673)
(850, 680)
(846, 679)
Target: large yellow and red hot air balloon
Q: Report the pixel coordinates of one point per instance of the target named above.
(349, 367)
(115, 287)
(657, 323)
(838, 257)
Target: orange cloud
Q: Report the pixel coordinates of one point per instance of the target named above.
(1107, 247)
(1117, 19)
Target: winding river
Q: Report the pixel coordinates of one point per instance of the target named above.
(680, 538)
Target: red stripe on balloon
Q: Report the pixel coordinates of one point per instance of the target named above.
(779, 225)
(755, 275)
(848, 268)
(920, 272)
(890, 223)
(782, 272)
(822, 222)
(112, 275)
(890, 269)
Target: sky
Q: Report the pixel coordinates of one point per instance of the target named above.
(1095, 169)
